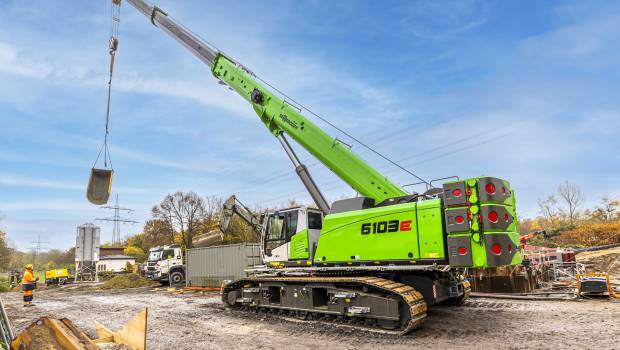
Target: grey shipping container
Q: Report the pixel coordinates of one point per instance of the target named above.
(209, 266)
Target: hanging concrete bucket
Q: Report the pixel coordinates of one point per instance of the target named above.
(99, 186)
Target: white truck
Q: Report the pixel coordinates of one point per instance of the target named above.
(165, 265)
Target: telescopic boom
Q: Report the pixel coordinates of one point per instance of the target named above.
(281, 117)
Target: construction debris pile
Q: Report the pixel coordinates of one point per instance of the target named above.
(607, 260)
(129, 280)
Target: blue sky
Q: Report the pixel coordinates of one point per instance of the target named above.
(523, 90)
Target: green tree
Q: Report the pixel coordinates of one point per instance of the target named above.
(5, 252)
(136, 252)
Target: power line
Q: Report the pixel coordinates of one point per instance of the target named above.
(327, 186)
(37, 248)
(117, 220)
(345, 133)
(288, 175)
(428, 151)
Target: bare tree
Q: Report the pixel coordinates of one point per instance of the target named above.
(183, 212)
(213, 208)
(607, 208)
(573, 198)
(549, 210)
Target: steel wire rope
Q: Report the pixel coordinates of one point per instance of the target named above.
(327, 185)
(115, 12)
(290, 99)
(469, 137)
(286, 174)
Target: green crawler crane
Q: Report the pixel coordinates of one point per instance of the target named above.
(377, 260)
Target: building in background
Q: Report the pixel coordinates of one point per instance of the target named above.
(106, 251)
(114, 263)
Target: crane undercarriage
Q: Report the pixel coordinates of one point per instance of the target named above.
(394, 301)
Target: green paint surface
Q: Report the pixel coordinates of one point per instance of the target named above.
(299, 246)
(280, 116)
(431, 230)
(342, 239)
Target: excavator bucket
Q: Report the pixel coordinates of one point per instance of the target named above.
(99, 186)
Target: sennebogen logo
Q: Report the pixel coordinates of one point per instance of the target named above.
(285, 119)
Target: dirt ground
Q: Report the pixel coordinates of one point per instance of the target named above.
(607, 260)
(194, 321)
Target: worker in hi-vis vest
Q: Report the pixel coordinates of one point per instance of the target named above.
(29, 284)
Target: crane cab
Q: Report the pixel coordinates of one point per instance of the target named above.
(291, 235)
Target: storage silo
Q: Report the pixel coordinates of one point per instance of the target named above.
(87, 245)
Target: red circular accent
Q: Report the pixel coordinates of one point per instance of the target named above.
(509, 248)
(496, 249)
(457, 192)
(459, 219)
(462, 250)
(490, 188)
(506, 217)
(493, 216)
(504, 190)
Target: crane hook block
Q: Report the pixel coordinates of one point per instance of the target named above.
(113, 44)
(99, 186)
(257, 96)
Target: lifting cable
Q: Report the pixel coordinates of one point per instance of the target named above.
(368, 147)
(300, 106)
(113, 46)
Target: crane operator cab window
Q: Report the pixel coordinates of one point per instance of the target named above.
(281, 226)
(292, 234)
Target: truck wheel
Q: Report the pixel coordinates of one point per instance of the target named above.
(176, 278)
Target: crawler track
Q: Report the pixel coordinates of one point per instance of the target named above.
(363, 301)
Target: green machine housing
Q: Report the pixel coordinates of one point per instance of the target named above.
(471, 223)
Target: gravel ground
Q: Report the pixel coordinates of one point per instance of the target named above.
(194, 321)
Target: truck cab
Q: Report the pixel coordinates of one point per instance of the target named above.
(165, 265)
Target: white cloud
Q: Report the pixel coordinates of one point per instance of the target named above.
(591, 37)
(21, 181)
(12, 62)
(442, 19)
(9, 180)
